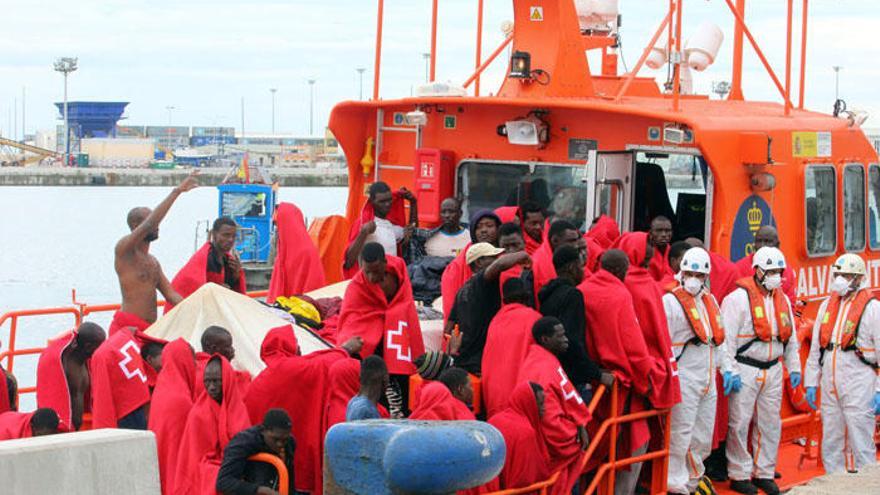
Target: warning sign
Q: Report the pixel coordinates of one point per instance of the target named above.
(536, 14)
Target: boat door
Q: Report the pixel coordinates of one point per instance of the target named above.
(610, 188)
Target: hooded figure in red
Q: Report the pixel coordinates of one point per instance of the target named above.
(436, 403)
(299, 385)
(172, 400)
(520, 424)
(647, 302)
(297, 267)
(218, 340)
(600, 237)
(195, 274)
(393, 325)
(217, 416)
(507, 343)
(119, 382)
(565, 413)
(616, 342)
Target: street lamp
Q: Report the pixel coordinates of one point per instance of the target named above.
(312, 106)
(168, 142)
(427, 57)
(66, 65)
(836, 82)
(273, 91)
(360, 71)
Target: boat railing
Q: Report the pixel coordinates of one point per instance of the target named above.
(279, 466)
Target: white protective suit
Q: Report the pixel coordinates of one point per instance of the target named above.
(693, 419)
(847, 387)
(760, 398)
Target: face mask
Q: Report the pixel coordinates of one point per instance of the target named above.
(840, 285)
(772, 282)
(693, 285)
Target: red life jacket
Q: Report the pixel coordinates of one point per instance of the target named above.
(689, 304)
(760, 319)
(853, 318)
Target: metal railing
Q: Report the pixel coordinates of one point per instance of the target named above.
(279, 466)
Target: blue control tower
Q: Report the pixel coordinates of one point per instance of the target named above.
(252, 207)
(91, 119)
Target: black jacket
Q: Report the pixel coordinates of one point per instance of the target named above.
(560, 298)
(239, 476)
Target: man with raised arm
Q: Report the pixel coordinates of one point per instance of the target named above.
(140, 274)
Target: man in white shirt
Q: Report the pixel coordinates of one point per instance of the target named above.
(383, 221)
(445, 241)
(758, 321)
(843, 359)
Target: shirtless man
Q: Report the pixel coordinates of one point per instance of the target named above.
(139, 272)
(74, 359)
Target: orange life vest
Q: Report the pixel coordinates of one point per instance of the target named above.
(689, 304)
(850, 326)
(760, 319)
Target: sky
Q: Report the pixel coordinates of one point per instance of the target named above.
(202, 57)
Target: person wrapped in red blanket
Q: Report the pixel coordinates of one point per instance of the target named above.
(521, 424)
(447, 399)
(565, 413)
(532, 218)
(484, 228)
(660, 237)
(382, 220)
(216, 261)
(63, 378)
(600, 237)
(15, 425)
(507, 342)
(217, 415)
(378, 307)
(616, 342)
(173, 397)
(7, 398)
(562, 233)
(298, 266)
(119, 383)
(299, 385)
(218, 340)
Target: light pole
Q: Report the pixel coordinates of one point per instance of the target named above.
(360, 71)
(312, 107)
(168, 142)
(273, 91)
(66, 65)
(836, 82)
(427, 57)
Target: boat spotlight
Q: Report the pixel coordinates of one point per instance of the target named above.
(526, 132)
(416, 118)
(520, 65)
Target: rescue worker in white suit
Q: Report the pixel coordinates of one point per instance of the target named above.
(843, 360)
(758, 323)
(697, 334)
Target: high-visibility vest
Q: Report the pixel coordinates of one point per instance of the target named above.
(850, 327)
(689, 304)
(760, 318)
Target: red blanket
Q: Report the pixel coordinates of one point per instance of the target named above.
(119, 382)
(507, 342)
(298, 266)
(527, 460)
(648, 304)
(242, 378)
(507, 213)
(542, 265)
(659, 267)
(4, 396)
(454, 277)
(393, 324)
(299, 385)
(789, 283)
(52, 388)
(616, 342)
(604, 232)
(15, 425)
(194, 274)
(279, 343)
(172, 399)
(397, 216)
(435, 402)
(209, 428)
(122, 320)
(723, 277)
(344, 382)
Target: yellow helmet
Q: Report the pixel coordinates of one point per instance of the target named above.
(849, 263)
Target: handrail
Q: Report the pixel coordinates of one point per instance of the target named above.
(632, 75)
(13, 317)
(279, 466)
(488, 61)
(539, 487)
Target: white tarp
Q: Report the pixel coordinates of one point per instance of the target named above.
(246, 319)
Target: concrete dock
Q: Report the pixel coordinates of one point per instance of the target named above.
(140, 177)
(866, 481)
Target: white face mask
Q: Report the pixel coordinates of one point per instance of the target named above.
(840, 285)
(693, 285)
(772, 282)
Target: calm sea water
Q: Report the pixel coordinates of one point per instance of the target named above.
(54, 239)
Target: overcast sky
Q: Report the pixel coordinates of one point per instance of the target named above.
(203, 56)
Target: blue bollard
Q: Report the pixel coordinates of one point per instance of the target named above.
(379, 457)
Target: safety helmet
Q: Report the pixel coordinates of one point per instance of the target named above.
(850, 264)
(768, 258)
(696, 260)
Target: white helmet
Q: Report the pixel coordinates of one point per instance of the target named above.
(849, 264)
(696, 260)
(768, 258)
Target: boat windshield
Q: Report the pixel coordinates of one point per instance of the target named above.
(243, 204)
(558, 188)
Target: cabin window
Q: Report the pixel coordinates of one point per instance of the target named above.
(240, 204)
(874, 206)
(854, 207)
(821, 209)
(558, 188)
(672, 185)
